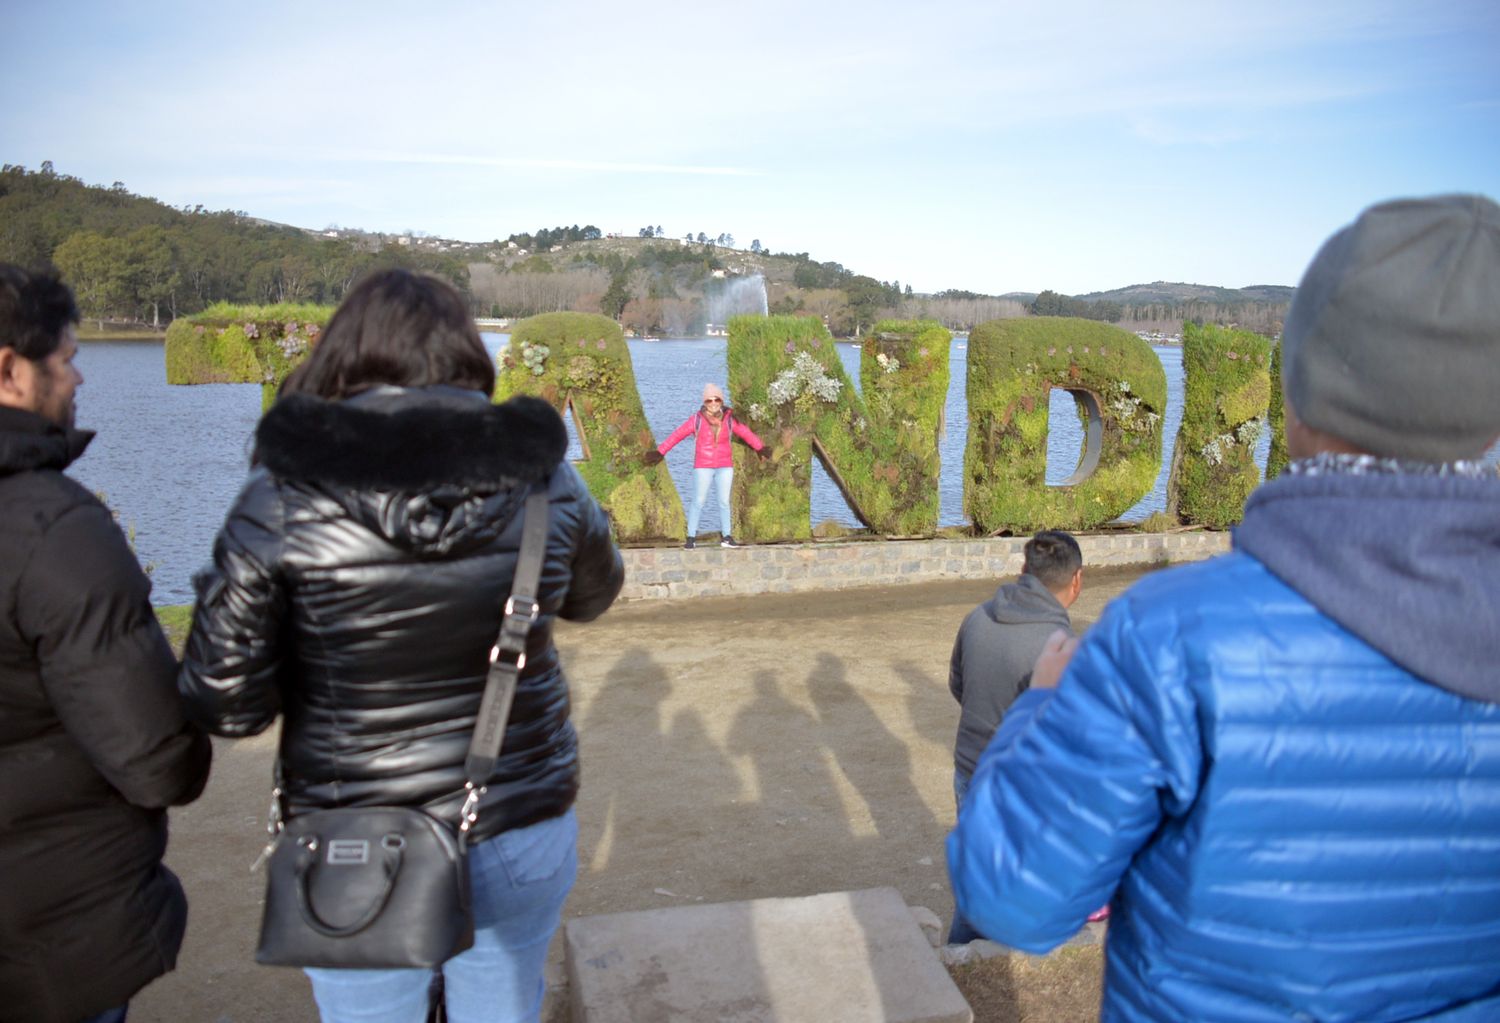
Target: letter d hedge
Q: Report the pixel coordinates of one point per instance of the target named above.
(1121, 393)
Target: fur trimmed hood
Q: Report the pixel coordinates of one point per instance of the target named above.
(435, 469)
(412, 439)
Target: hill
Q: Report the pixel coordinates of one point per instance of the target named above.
(1181, 294)
(132, 258)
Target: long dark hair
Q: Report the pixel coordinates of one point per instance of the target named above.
(396, 327)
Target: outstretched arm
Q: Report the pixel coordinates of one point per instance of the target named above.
(746, 434)
(677, 435)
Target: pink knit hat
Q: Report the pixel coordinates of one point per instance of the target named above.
(712, 391)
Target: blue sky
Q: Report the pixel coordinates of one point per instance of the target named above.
(991, 146)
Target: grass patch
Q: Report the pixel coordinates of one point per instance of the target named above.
(175, 620)
(1063, 987)
(88, 331)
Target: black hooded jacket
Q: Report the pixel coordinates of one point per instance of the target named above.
(358, 585)
(93, 745)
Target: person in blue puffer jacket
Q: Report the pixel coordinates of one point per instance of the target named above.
(1282, 766)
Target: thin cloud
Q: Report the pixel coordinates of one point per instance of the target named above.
(517, 163)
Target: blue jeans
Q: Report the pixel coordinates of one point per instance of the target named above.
(962, 932)
(115, 1015)
(723, 479)
(520, 880)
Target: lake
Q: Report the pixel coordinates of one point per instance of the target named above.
(170, 460)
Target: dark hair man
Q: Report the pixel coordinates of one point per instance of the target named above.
(1282, 766)
(93, 744)
(995, 649)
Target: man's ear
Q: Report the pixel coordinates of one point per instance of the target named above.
(12, 386)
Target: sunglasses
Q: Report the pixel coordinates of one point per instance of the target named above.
(713, 401)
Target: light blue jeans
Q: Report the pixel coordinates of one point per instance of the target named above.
(520, 880)
(723, 480)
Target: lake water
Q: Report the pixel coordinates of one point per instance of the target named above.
(170, 460)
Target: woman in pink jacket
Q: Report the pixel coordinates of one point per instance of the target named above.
(713, 460)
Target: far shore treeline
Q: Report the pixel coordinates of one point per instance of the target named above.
(135, 261)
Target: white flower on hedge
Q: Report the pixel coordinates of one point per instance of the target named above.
(806, 375)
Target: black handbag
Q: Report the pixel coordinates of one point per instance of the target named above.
(377, 887)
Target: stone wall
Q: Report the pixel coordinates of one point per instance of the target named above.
(711, 571)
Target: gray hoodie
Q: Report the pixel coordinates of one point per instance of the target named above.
(1408, 563)
(997, 646)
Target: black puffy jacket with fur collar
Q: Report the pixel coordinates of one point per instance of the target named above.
(358, 584)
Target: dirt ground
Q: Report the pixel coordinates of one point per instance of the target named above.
(732, 748)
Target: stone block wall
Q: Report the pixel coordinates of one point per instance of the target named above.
(711, 571)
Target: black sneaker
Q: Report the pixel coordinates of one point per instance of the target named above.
(728, 541)
(688, 544)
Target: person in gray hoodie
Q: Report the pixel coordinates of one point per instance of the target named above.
(995, 649)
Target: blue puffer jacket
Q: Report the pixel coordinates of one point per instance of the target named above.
(1281, 770)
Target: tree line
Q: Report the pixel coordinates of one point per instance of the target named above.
(133, 258)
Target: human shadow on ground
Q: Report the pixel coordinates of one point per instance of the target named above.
(652, 814)
(929, 703)
(800, 835)
(876, 762)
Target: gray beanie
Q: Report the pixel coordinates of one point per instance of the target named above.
(1393, 339)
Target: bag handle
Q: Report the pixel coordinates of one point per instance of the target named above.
(305, 861)
(507, 658)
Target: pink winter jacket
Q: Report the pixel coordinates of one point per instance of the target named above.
(713, 444)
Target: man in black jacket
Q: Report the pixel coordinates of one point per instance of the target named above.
(93, 744)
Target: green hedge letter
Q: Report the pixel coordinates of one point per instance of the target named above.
(579, 362)
(881, 448)
(243, 345)
(1277, 459)
(1226, 392)
(1121, 393)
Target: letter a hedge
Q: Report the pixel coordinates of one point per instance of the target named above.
(580, 360)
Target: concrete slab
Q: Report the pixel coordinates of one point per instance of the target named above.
(841, 957)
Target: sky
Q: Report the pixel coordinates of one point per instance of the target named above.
(992, 146)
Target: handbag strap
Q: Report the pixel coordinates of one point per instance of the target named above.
(507, 658)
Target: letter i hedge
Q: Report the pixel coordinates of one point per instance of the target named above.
(1013, 366)
(1226, 395)
(580, 360)
(880, 448)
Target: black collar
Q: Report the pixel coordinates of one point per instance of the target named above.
(29, 441)
(411, 440)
